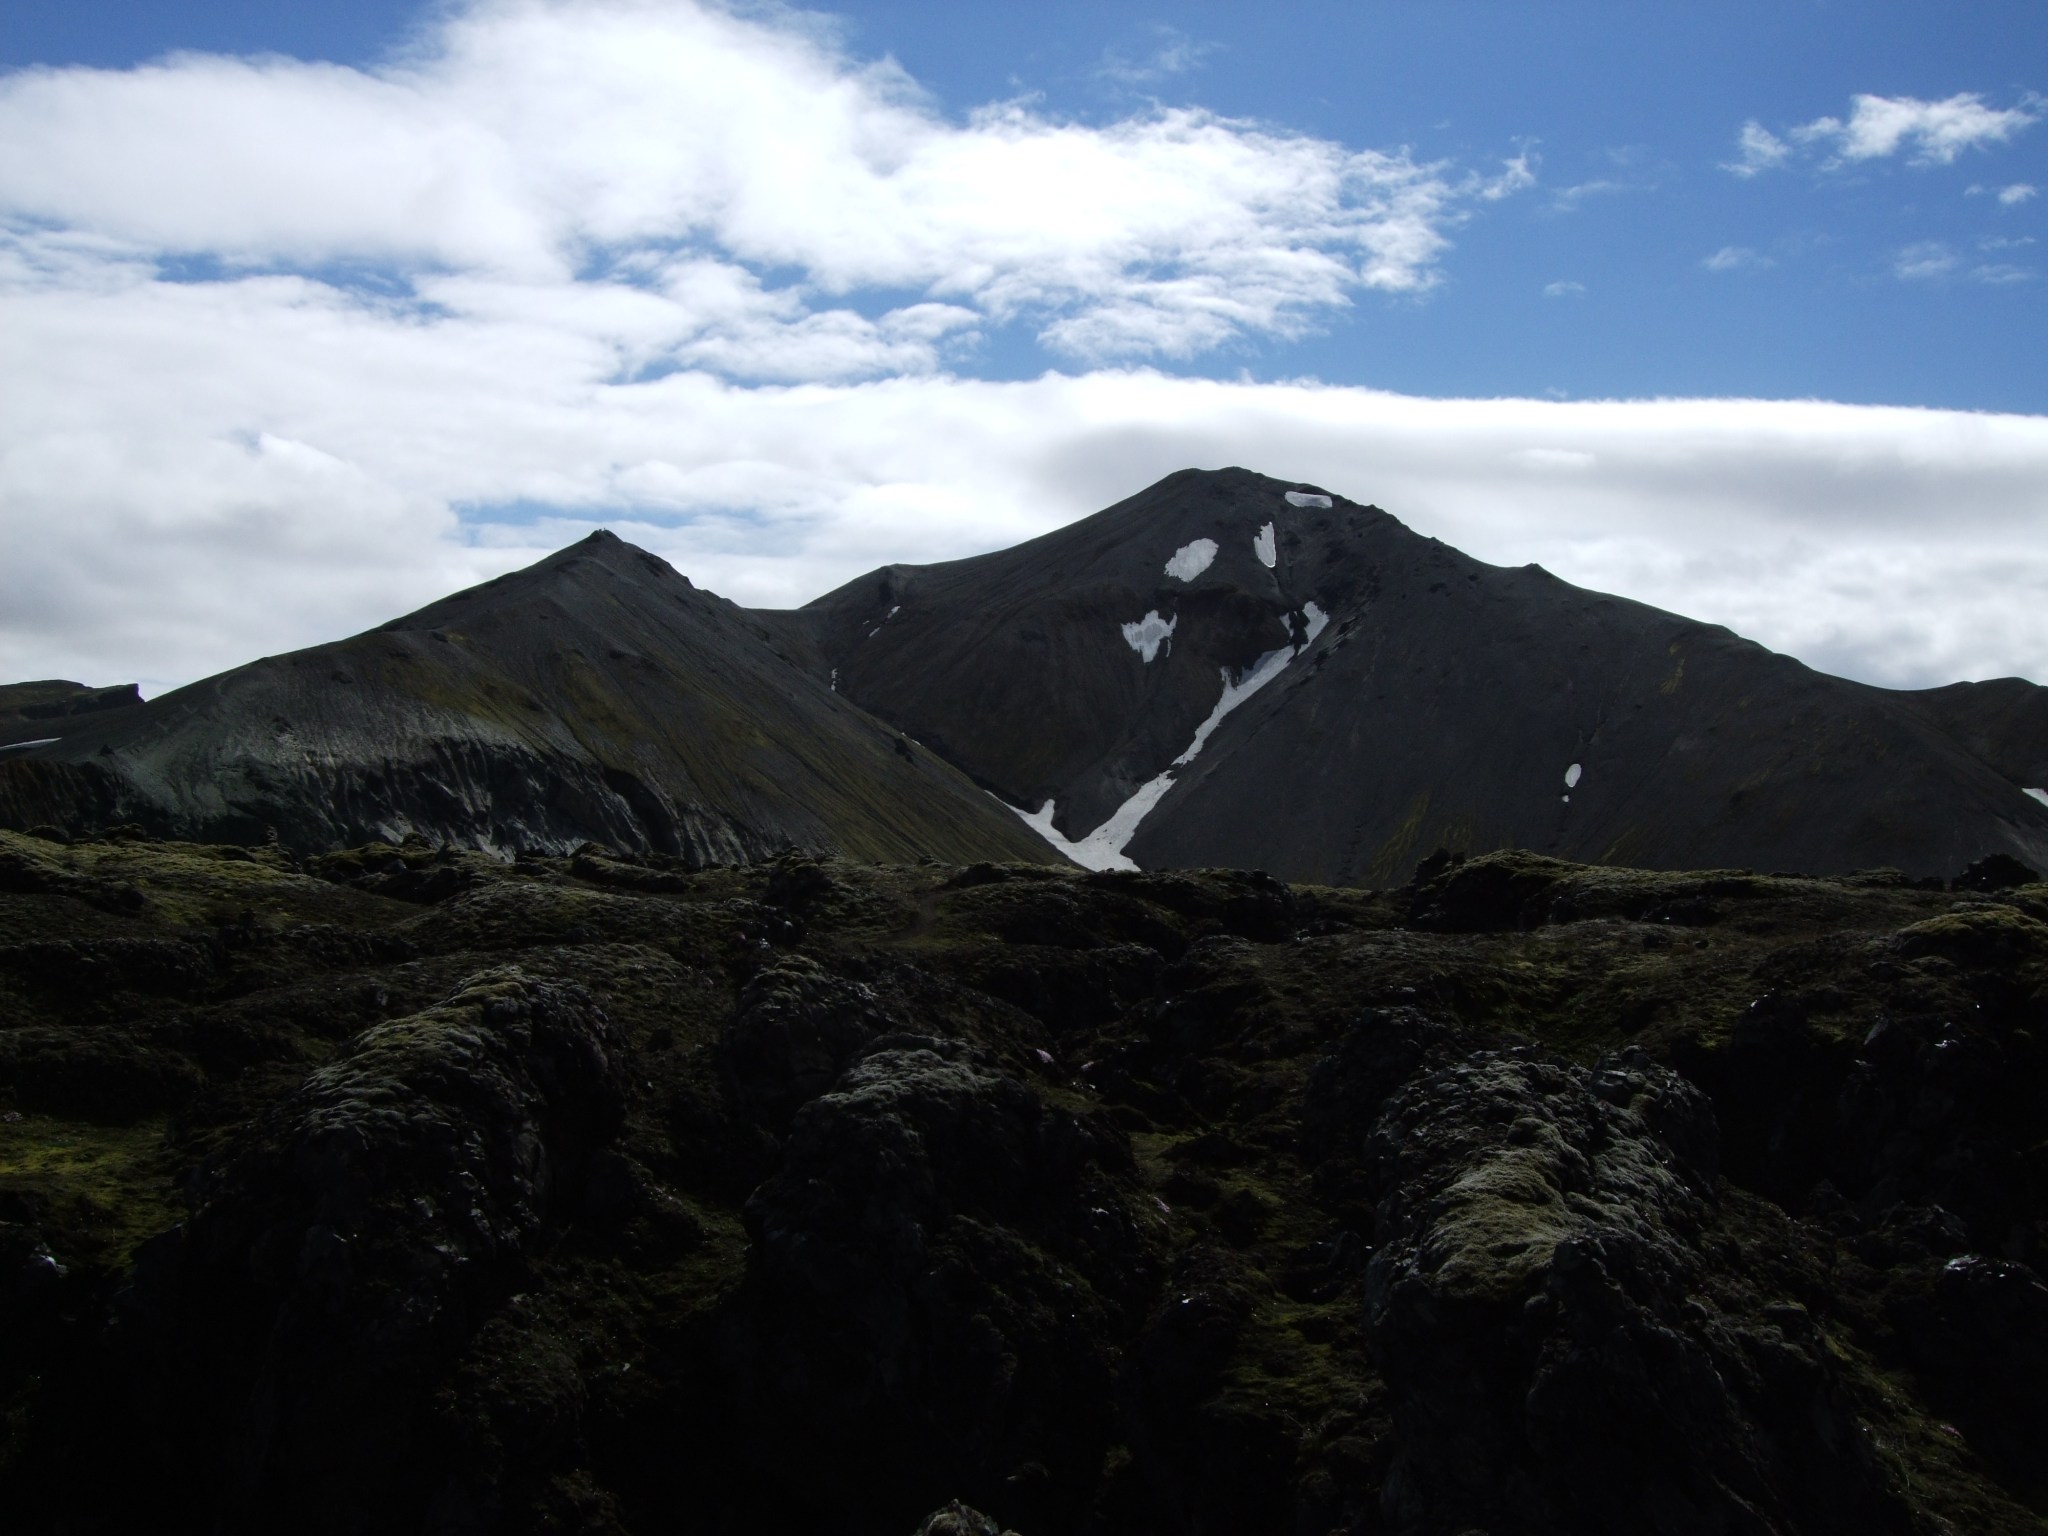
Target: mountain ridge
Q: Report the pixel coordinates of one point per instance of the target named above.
(1223, 670)
(594, 696)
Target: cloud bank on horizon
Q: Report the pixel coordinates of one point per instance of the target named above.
(290, 347)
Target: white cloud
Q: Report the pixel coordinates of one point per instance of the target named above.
(1516, 175)
(1761, 149)
(1172, 53)
(1563, 288)
(1924, 260)
(2019, 192)
(1877, 127)
(1736, 258)
(1938, 131)
(543, 141)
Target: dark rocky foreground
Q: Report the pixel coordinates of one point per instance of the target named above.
(397, 1190)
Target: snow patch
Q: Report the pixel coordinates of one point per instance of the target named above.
(51, 741)
(1190, 560)
(835, 679)
(1145, 635)
(2039, 794)
(1572, 775)
(1305, 499)
(1263, 546)
(1103, 848)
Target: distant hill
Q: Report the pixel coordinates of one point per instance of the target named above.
(597, 695)
(1383, 695)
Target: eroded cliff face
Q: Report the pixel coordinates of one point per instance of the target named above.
(401, 1189)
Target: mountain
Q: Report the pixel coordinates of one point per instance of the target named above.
(1224, 671)
(34, 712)
(596, 695)
(1228, 670)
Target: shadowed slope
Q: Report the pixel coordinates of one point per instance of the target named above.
(595, 695)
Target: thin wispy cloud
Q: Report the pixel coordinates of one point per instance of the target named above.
(1564, 288)
(1736, 258)
(1925, 260)
(1938, 261)
(1758, 149)
(2017, 193)
(1172, 53)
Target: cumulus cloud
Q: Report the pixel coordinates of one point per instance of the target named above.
(1936, 131)
(2019, 192)
(1878, 127)
(607, 142)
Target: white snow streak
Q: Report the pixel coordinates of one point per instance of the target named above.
(1190, 560)
(1263, 546)
(2039, 794)
(1305, 499)
(1572, 775)
(1145, 635)
(1104, 847)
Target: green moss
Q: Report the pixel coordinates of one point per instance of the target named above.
(97, 1190)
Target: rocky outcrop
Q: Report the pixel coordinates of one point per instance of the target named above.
(942, 1259)
(1562, 1351)
(343, 1253)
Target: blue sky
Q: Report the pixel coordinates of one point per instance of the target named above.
(1736, 308)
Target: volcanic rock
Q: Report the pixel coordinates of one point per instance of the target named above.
(815, 1195)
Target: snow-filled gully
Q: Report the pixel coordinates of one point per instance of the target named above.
(1104, 847)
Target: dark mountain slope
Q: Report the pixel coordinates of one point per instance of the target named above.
(1412, 697)
(2003, 721)
(35, 711)
(595, 695)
